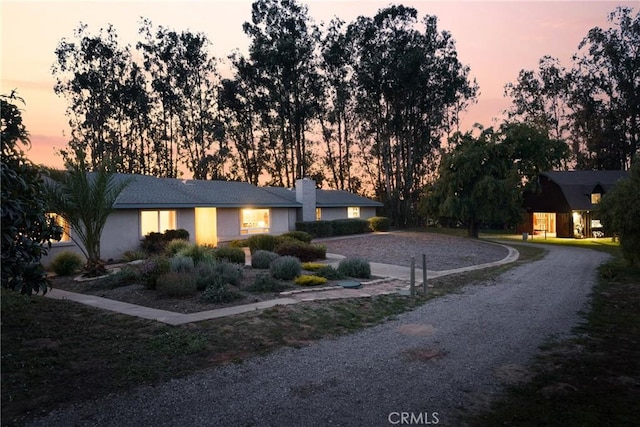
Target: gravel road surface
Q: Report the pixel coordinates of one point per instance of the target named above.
(443, 252)
(452, 354)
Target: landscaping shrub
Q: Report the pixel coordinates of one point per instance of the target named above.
(179, 234)
(218, 292)
(198, 253)
(230, 273)
(312, 266)
(66, 263)
(266, 283)
(344, 227)
(379, 223)
(285, 268)
(262, 259)
(355, 267)
(234, 255)
(175, 246)
(127, 275)
(329, 273)
(129, 256)
(316, 228)
(156, 243)
(303, 251)
(153, 268)
(238, 244)
(265, 242)
(153, 243)
(301, 236)
(174, 284)
(310, 280)
(181, 264)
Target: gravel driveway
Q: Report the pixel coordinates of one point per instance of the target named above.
(443, 252)
(453, 352)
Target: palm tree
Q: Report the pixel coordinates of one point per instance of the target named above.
(85, 200)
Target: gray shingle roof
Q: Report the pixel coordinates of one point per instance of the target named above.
(148, 192)
(328, 198)
(151, 192)
(577, 186)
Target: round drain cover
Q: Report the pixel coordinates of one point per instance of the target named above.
(350, 284)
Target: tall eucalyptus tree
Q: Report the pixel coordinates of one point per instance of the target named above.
(283, 55)
(185, 82)
(408, 78)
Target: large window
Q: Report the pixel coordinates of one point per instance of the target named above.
(254, 221)
(157, 221)
(62, 223)
(353, 212)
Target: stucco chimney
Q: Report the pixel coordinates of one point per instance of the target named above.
(306, 194)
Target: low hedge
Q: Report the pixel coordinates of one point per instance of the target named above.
(155, 243)
(234, 255)
(316, 228)
(345, 227)
(337, 227)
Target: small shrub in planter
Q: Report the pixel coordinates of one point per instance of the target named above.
(181, 264)
(175, 246)
(301, 236)
(329, 273)
(262, 259)
(153, 268)
(379, 223)
(173, 284)
(310, 280)
(265, 242)
(285, 268)
(234, 255)
(355, 267)
(129, 256)
(303, 251)
(198, 253)
(218, 292)
(66, 263)
(312, 266)
(266, 283)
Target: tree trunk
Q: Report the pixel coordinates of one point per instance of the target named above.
(473, 229)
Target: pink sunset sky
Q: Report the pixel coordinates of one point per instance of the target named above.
(496, 39)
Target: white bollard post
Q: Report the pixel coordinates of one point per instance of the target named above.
(424, 274)
(413, 277)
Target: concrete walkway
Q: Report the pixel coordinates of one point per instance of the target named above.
(394, 281)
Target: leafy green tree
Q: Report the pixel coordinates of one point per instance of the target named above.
(477, 183)
(620, 210)
(26, 229)
(85, 200)
(533, 151)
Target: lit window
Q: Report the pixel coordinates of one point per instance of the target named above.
(254, 221)
(318, 214)
(595, 198)
(157, 221)
(353, 212)
(62, 223)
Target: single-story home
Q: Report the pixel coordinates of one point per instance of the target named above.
(566, 204)
(214, 211)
